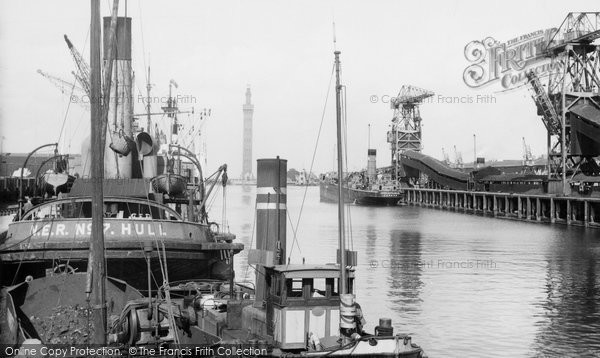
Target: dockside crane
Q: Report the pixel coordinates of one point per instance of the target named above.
(66, 88)
(527, 156)
(83, 69)
(570, 103)
(458, 161)
(405, 133)
(446, 157)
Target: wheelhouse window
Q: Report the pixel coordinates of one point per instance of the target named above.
(77, 209)
(294, 287)
(319, 288)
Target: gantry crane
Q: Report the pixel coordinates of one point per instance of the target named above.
(405, 133)
(68, 88)
(570, 103)
(527, 156)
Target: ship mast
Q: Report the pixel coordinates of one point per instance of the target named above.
(96, 267)
(340, 169)
(96, 271)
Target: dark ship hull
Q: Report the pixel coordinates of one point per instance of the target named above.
(328, 192)
(55, 237)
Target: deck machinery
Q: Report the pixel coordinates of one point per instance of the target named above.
(570, 102)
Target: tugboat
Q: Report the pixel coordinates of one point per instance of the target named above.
(303, 310)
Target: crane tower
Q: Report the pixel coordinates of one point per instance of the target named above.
(570, 103)
(405, 133)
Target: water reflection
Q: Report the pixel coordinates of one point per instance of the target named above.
(405, 269)
(370, 252)
(541, 298)
(570, 313)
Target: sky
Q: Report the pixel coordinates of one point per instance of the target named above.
(284, 51)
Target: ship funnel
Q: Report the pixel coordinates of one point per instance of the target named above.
(144, 143)
(271, 199)
(372, 164)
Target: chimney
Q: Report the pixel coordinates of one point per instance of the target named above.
(271, 216)
(372, 165)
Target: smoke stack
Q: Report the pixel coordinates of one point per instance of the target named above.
(372, 164)
(271, 199)
(120, 108)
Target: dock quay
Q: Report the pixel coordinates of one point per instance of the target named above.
(578, 211)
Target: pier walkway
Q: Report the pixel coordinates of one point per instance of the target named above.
(527, 207)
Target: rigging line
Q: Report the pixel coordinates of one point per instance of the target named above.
(76, 129)
(66, 112)
(212, 199)
(224, 210)
(143, 45)
(72, 90)
(27, 248)
(312, 162)
(252, 238)
(167, 289)
(148, 262)
(70, 254)
(294, 230)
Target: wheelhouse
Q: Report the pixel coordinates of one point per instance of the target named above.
(303, 299)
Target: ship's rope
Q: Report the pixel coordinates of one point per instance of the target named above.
(66, 111)
(212, 200)
(167, 288)
(28, 237)
(148, 262)
(71, 95)
(251, 238)
(294, 230)
(143, 44)
(312, 162)
(224, 223)
(70, 256)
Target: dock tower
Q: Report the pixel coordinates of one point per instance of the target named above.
(248, 109)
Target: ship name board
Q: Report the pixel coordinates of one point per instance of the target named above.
(85, 229)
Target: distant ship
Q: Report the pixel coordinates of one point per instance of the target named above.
(370, 187)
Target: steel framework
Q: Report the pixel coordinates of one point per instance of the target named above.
(574, 82)
(405, 133)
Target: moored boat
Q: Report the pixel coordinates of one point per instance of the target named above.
(151, 213)
(298, 310)
(370, 187)
(169, 183)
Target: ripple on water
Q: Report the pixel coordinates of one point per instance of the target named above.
(540, 298)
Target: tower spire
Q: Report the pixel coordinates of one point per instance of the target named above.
(248, 109)
(248, 95)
